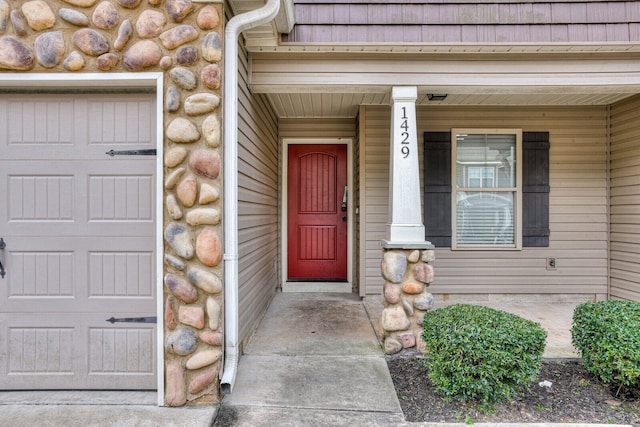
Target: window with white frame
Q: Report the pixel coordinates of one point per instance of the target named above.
(487, 191)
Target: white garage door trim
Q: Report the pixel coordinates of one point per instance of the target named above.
(31, 81)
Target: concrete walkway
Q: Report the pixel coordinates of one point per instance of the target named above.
(313, 361)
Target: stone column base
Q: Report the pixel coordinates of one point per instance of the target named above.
(407, 274)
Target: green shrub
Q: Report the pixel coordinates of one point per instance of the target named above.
(607, 334)
(478, 353)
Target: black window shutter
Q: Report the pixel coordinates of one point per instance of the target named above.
(437, 188)
(535, 189)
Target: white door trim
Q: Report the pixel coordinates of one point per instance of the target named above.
(32, 81)
(342, 287)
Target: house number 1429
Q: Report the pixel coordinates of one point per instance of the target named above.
(404, 143)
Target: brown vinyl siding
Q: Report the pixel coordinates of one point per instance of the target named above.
(578, 204)
(257, 203)
(460, 21)
(625, 200)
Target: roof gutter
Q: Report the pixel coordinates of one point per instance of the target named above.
(235, 26)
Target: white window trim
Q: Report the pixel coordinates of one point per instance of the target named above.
(517, 214)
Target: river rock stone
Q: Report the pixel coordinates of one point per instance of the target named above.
(423, 272)
(49, 48)
(182, 342)
(175, 155)
(19, 22)
(175, 393)
(81, 3)
(129, 4)
(212, 47)
(124, 34)
(105, 16)
(394, 265)
(414, 256)
(90, 42)
(150, 23)
(391, 293)
(424, 301)
(187, 191)
(407, 339)
(38, 14)
(408, 307)
(205, 163)
(179, 9)
(395, 319)
(4, 14)
(73, 17)
(174, 211)
(170, 313)
(177, 36)
(191, 315)
(107, 61)
(412, 288)
(180, 240)
(203, 216)
(203, 358)
(173, 99)
(202, 380)
(166, 62)
(208, 247)
(183, 131)
(392, 345)
(175, 261)
(211, 338)
(141, 55)
(428, 255)
(211, 76)
(183, 78)
(208, 282)
(201, 103)
(74, 61)
(182, 289)
(208, 18)
(208, 194)
(15, 55)
(212, 131)
(213, 311)
(187, 55)
(173, 177)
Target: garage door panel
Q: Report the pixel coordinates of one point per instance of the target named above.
(82, 353)
(79, 226)
(79, 274)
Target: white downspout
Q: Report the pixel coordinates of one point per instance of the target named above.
(235, 26)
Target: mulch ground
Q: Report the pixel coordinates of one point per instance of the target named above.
(574, 396)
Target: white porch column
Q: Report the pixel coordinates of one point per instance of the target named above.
(405, 214)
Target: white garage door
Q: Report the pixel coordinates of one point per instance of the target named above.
(78, 226)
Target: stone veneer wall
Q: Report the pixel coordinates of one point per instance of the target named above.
(407, 275)
(182, 39)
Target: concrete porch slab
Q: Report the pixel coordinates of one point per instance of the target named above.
(315, 324)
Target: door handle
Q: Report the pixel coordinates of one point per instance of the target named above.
(2, 246)
(343, 207)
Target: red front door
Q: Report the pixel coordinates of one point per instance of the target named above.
(317, 225)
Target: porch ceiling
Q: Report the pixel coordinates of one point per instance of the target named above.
(304, 85)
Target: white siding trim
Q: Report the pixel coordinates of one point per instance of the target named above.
(326, 287)
(119, 81)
